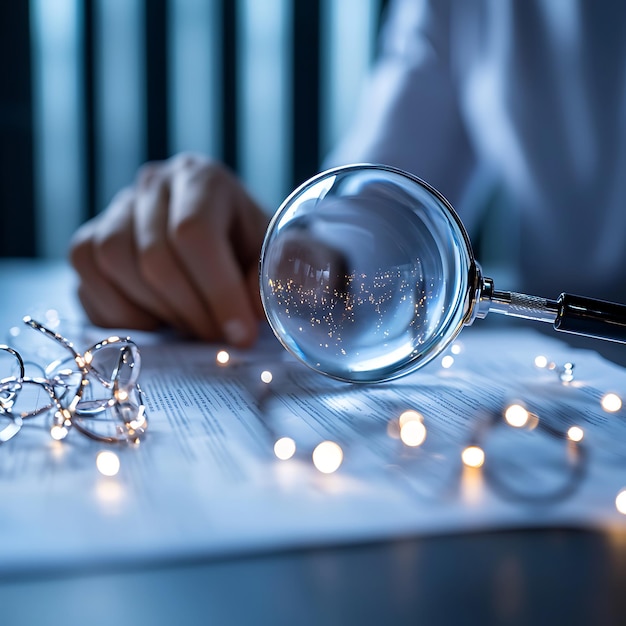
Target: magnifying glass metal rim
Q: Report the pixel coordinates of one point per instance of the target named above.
(464, 301)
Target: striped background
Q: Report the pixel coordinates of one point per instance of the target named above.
(90, 89)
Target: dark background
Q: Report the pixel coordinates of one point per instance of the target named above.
(19, 236)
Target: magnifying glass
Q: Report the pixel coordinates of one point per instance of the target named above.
(367, 274)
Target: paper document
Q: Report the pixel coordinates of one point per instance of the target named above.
(207, 479)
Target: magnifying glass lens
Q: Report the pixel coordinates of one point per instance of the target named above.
(365, 273)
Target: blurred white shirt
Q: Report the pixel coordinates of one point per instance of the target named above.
(531, 93)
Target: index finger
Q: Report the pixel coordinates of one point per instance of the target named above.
(212, 243)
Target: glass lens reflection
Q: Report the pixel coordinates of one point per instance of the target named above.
(364, 273)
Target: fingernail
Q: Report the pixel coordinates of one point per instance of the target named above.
(236, 332)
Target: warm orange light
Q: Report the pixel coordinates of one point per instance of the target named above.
(516, 415)
(611, 402)
(327, 457)
(222, 357)
(413, 433)
(58, 432)
(108, 463)
(473, 456)
(575, 433)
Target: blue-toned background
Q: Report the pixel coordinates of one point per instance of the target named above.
(90, 89)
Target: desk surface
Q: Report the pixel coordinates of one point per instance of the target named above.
(522, 577)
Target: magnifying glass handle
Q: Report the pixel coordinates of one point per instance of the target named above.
(594, 318)
(571, 314)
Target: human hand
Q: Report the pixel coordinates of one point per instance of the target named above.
(179, 248)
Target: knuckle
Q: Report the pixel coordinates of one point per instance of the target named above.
(148, 174)
(186, 230)
(151, 259)
(206, 175)
(81, 242)
(108, 249)
(80, 251)
(187, 160)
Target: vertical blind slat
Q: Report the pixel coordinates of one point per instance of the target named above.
(264, 85)
(17, 216)
(195, 94)
(58, 123)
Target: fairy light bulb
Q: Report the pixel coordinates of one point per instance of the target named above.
(473, 456)
(285, 448)
(327, 457)
(611, 402)
(108, 463)
(58, 432)
(412, 429)
(222, 357)
(516, 415)
(575, 433)
(620, 502)
(413, 433)
(447, 361)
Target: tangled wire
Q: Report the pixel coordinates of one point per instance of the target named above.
(95, 392)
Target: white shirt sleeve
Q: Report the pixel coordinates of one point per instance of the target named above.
(408, 115)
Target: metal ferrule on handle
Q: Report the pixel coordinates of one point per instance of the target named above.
(522, 305)
(570, 313)
(490, 300)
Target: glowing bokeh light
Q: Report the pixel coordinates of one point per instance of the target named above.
(447, 361)
(222, 357)
(516, 415)
(575, 433)
(541, 361)
(473, 456)
(285, 448)
(620, 502)
(108, 463)
(456, 348)
(413, 433)
(121, 395)
(327, 457)
(611, 402)
(266, 376)
(409, 416)
(58, 432)
(567, 375)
